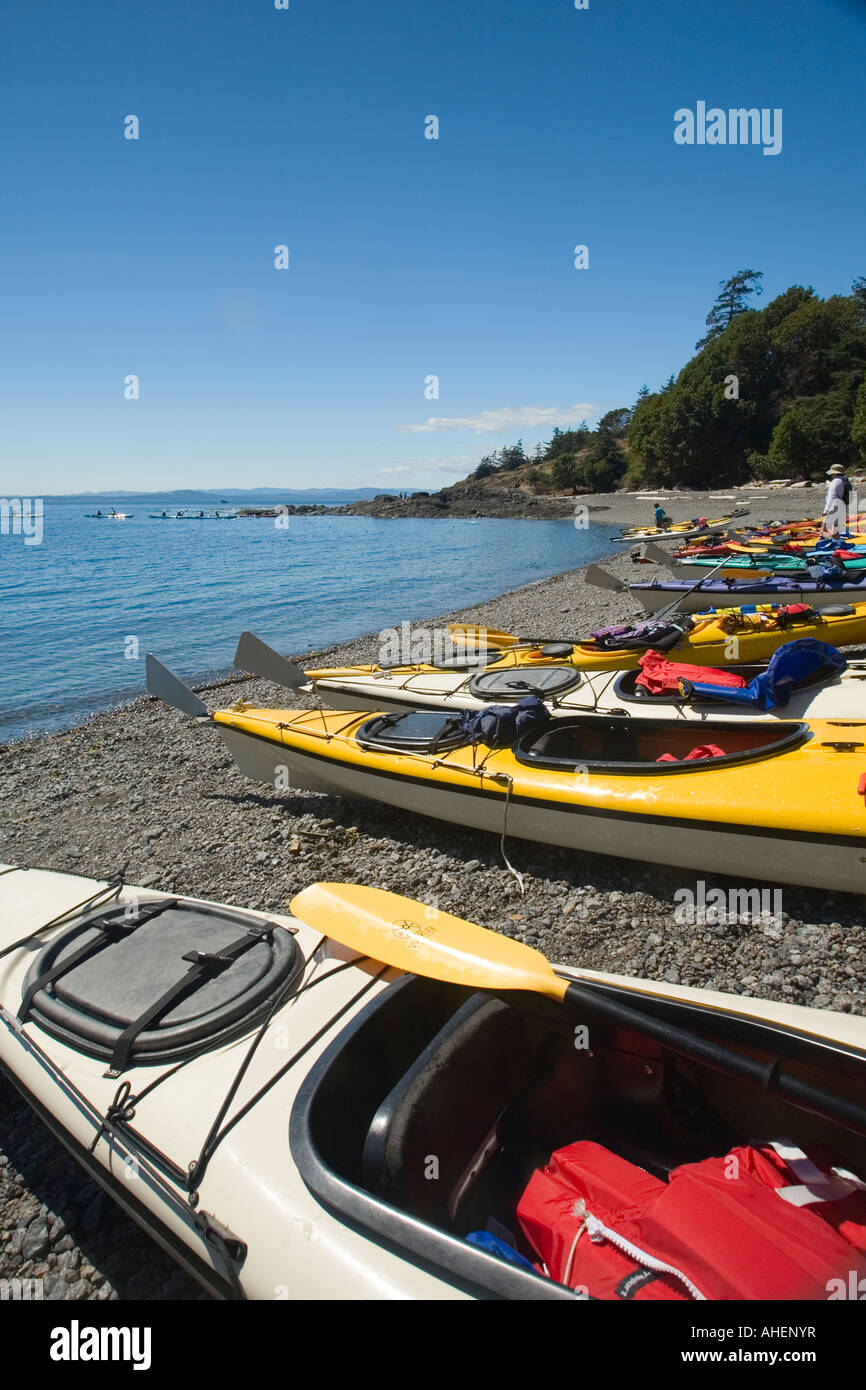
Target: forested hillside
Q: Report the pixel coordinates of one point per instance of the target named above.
(772, 392)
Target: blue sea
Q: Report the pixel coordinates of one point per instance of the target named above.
(79, 611)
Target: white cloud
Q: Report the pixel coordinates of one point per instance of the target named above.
(507, 418)
(458, 463)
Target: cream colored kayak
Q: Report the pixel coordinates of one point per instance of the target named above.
(570, 690)
(313, 1190)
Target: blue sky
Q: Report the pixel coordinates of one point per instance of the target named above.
(408, 256)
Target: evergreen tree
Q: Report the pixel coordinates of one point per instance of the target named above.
(731, 301)
(605, 463)
(513, 457)
(566, 473)
(858, 428)
(615, 422)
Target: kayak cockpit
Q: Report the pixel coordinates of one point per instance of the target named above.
(626, 688)
(619, 744)
(425, 1119)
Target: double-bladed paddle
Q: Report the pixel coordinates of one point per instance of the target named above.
(479, 637)
(424, 941)
(593, 574)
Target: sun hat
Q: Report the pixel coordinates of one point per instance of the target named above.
(835, 470)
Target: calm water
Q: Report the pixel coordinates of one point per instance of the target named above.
(186, 590)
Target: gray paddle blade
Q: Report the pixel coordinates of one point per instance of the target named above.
(259, 659)
(657, 555)
(594, 574)
(167, 687)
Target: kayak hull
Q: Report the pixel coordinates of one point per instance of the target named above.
(297, 1228)
(749, 817)
(252, 1187)
(656, 597)
(841, 698)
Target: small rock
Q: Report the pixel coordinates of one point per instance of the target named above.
(35, 1241)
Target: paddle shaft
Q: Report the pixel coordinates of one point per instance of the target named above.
(687, 1044)
(405, 934)
(672, 607)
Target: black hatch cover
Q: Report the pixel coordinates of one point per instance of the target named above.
(160, 981)
(547, 682)
(421, 731)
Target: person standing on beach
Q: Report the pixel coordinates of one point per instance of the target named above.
(835, 519)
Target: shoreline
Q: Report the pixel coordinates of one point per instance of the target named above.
(625, 508)
(142, 789)
(493, 500)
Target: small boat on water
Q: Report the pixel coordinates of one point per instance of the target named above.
(109, 516)
(193, 516)
(262, 1093)
(745, 796)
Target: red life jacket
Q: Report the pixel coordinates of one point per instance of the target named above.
(659, 675)
(760, 1223)
(703, 750)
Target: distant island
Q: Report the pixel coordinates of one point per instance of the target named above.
(187, 497)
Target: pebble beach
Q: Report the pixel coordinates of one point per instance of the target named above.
(143, 791)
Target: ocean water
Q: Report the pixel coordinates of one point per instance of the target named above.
(79, 611)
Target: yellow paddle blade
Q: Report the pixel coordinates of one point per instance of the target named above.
(476, 636)
(422, 940)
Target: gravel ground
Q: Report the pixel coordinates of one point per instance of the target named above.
(144, 790)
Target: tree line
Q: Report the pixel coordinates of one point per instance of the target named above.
(772, 392)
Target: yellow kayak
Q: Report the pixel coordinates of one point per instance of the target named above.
(680, 529)
(712, 639)
(784, 801)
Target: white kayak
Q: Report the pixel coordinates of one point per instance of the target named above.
(693, 597)
(297, 1166)
(570, 690)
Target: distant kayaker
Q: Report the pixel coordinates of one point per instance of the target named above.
(836, 506)
(661, 517)
(98, 512)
